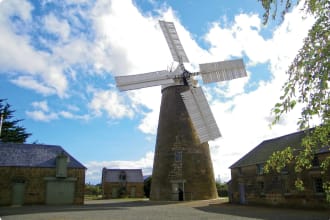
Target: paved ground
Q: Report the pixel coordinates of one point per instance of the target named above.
(144, 209)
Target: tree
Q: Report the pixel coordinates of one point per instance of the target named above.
(93, 191)
(222, 189)
(147, 186)
(308, 85)
(11, 131)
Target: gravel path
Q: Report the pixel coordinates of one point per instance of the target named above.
(144, 209)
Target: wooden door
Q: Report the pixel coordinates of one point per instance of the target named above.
(18, 192)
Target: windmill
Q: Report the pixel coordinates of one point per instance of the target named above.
(182, 165)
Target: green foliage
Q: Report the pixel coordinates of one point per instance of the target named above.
(299, 184)
(222, 189)
(272, 5)
(93, 189)
(11, 131)
(308, 85)
(308, 82)
(147, 186)
(279, 160)
(326, 187)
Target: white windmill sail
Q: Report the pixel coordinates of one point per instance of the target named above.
(200, 114)
(139, 81)
(173, 42)
(222, 71)
(194, 99)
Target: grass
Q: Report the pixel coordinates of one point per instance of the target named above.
(93, 197)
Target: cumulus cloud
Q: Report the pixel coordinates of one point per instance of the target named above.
(242, 37)
(43, 105)
(133, 44)
(94, 168)
(57, 26)
(42, 112)
(17, 54)
(244, 121)
(117, 44)
(149, 99)
(247, 113)
(41, 116)
(70, 115)
(30, 83)
(110, 102)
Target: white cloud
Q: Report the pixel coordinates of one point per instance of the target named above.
(121, 44)
(70, 115)
(149, 98)
(133, 44)
(41, 116)
(94, 168)
(18, 55)
(57, 26)
(30, 83)
(243, 120)
(18, 7)
(241, 37)
(110, 102)
(43, 105)
(42, 112)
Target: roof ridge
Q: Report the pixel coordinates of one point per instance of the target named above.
(267, 144)
(33, 155)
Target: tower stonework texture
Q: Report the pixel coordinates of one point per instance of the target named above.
(182, 167)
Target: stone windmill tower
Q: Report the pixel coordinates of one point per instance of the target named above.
(182, 164)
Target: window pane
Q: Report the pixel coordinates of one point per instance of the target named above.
(178, 156)
(318, 185)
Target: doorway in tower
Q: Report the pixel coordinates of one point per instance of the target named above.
(178, 193)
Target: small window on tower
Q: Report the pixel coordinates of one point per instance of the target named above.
(178, 156)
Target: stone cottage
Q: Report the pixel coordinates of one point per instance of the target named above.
(117, 183)
(39, 174)
(249, 183)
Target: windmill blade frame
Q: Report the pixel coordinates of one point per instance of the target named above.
(173, 42)
(144, 80)
(222, 71)
(201, 115)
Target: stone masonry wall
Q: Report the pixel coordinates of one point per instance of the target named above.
(108, 187)
(35, 185)
(278, 189)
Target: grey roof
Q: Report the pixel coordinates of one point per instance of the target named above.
(132, 175)
(263, 151)
(33, 155)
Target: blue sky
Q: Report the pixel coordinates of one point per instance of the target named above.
(58, 60)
